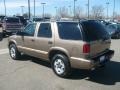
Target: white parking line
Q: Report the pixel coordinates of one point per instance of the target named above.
(4, 51)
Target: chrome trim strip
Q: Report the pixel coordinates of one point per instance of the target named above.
(80, 59)
(30, 49)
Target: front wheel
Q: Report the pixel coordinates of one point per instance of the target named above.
(60, 65)
(13, 51)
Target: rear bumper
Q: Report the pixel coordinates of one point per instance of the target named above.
(96, 62)
(91, 63)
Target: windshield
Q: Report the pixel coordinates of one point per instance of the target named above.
(94, 30)
(12, 20)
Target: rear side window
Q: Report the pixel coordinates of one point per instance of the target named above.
(69, 30)
(94, 30)
(45, 30)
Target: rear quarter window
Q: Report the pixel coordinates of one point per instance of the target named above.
(69, 31)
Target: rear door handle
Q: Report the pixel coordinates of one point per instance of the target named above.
(50, 42)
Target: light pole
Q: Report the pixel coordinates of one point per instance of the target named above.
(56, 10)
(107, 3)
(114, 10)
(88, 8)
(86, 5)
(29, 9)
(69, 8)
(22, 9)
(5, 7)
(43, 8)
(74, 7)
(34, 7)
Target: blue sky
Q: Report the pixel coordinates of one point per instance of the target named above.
(13, 6)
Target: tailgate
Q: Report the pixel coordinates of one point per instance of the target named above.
(99, 46)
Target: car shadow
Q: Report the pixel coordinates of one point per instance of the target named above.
(2, 37)
(41, 62)
(35, 60)
(108, 75)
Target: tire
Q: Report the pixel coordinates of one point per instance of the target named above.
(60, 65)
(13, 51)
(1, 36)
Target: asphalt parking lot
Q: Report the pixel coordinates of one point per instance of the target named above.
(34, 74)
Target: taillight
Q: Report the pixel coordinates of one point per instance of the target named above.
(86, 48)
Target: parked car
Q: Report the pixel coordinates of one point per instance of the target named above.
(37, 19)
(114, 30)
(65, 44)
(11, 25)
(22, 20)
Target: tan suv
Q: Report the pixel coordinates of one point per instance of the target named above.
(66, 44)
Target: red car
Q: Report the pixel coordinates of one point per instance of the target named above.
(11, 25)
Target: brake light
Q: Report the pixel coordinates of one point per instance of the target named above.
(86, 48)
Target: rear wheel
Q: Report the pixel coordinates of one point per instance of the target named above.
(13, 51)
(60, 65)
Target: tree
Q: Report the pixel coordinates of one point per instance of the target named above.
(78, 12)
(48, 15)
(25, 15)
(97, 12)
(63, 12)
(18, 14)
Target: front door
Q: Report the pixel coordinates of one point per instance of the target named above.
(28, 39)
(44, 40)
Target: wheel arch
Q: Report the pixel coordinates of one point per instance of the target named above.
(58, 50)
(12, 42)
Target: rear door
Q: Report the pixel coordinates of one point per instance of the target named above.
(97, 36)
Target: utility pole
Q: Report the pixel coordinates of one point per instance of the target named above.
(34, 7)
(5, 7)
(69, 9)
(56, 10)
(22, 10)
(74, 7)
(88, 9)
(43, 8)
(29, 9)
(86, 5)
(107, 3)
(114, 11)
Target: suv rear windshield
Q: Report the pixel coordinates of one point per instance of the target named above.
(12, 20)
(69, 30)
(94, 30)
